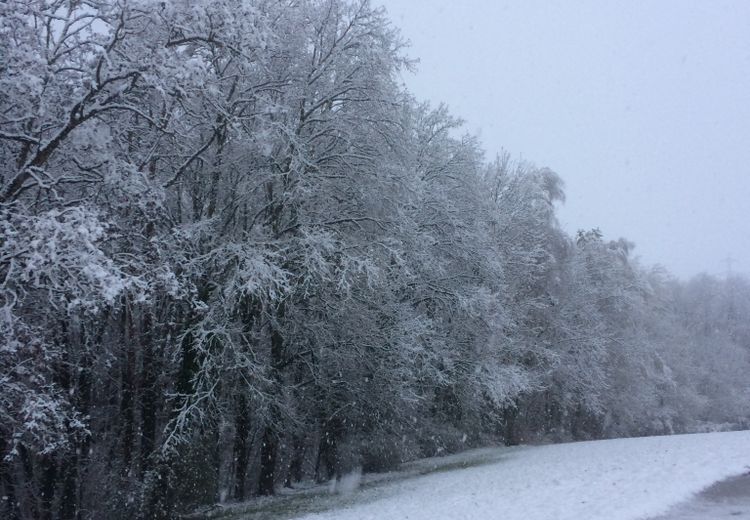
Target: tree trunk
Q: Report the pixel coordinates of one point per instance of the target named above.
(242, 425)
(9, 506)
(267, 463)
(47, 490)
(270, 435)
(148, 397)
(158, 502)
(25, 491)
(69, 496)
(128, 389)
(295, 466)
(328, 457)
(510, 435)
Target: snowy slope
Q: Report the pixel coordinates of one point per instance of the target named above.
(617, 479)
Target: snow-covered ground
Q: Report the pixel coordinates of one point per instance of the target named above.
(727, 499)
(619, 479)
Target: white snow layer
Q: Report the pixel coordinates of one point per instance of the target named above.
(618, 479)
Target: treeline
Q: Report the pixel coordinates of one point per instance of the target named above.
(236, 254)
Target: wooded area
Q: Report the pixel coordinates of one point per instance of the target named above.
(235, 254)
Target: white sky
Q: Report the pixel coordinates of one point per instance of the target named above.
(642, 107)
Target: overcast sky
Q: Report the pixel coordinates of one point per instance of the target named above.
(642, 107)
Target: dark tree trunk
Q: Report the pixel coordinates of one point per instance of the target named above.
(47, 489)
(159, 499)
(26, 492)
(188, 366)
(270, 435)
(242, 423)
(148, 397)
(510, 419)
(75, 493)
(9, 506)
(295, 466)
(267, 463)
(158, 502)
(327, 465)
(249, 312)
(73, 379)
(128, 390)
(69, 495)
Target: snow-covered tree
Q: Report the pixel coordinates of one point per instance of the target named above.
(235, 253)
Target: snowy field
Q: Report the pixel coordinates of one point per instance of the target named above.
(617, 479)
(727, 499)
